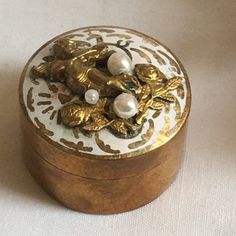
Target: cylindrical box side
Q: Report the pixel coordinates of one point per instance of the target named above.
(103, 196)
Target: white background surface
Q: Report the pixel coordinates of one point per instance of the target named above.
(202, 201)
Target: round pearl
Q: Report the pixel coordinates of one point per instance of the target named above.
(91, 96)
(125, 105)
(119, 63)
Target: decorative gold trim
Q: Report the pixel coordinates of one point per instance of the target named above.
(77, 146)
(145, 137)
(145, 38)
(43, 128)
(180, 91)
(75, 132)
(172, 62)
(162, 136)
(30, 100)
(159, 59)
(47, 109)
(42, 103)
(156, 114)
(53, 115)
(177, 110)
(142, 54)
(105, 147)
(44, 95)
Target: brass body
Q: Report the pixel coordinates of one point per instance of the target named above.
(101, 186)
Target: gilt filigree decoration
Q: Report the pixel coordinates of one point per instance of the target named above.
(82, 67)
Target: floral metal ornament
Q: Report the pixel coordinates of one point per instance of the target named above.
(82, 67)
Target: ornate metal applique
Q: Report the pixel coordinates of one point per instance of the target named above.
(81, 68)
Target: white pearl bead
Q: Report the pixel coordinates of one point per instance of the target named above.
(125, 105)
(119, 63)
(91, 96)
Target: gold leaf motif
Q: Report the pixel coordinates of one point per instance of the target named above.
(145, 39)
(177, 110)
(75, 114)
(53, 115)
(168, 97)
(142, 54)
(44, 95)
(173, 83)
(159, 59)
(30, 100)
(44, 103)
(75, 132)
(156, 114)
(119, 127)
(98, 37)
(162, 135)
(157, 105)
(180, 91)
(77, 146)
(63, 98)
(172, 61)
(47, 109)
(43, 128)
(105, 147)
(145, 137)
(98, 122)
(150, 41)
(167, 108)
(145, 92)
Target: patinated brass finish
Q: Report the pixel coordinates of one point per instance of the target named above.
(101, 186)
(81, 69)
(73, 174)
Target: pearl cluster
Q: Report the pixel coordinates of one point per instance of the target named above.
(125, 105)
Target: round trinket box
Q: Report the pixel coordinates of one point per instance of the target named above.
(104, 112)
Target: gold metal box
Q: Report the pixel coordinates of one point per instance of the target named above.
(88, 156)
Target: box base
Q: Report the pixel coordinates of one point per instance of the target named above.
(108, 196)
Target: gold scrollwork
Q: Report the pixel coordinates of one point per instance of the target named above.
(77, 146)
(145, 137)
(105, 147)
(80, 67)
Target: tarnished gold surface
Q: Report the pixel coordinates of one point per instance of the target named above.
(85, 68)
(98, 186)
